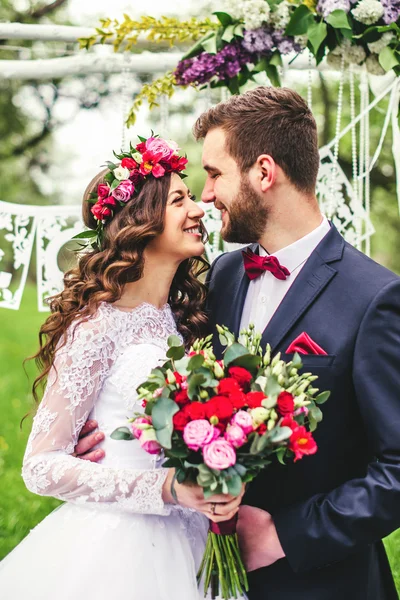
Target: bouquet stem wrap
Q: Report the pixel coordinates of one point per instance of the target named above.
(222, 566)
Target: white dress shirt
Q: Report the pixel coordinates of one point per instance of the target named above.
(265, 293)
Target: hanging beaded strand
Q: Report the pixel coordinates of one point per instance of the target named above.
(367, 188)
(125, 99)
(354, 162)
(331, 206)
(309, 80)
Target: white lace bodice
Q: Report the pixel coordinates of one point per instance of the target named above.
(95, 375)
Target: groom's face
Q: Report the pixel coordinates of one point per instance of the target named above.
(243, 213)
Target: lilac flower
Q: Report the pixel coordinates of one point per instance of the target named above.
(258, 40)
(392, 11)
(325, 7)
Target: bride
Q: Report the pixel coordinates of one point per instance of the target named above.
(123, 532)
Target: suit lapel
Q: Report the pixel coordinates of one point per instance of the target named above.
(239, 292)
(311, 281)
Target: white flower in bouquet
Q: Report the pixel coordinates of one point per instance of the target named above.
(352, 54)
(373, 65)
(368, 11)
(301, 40)
(253, 12)
(281, 16)
(380, 44)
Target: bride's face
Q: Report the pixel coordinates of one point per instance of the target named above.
(182, 236)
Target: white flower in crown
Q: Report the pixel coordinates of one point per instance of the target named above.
(121, 173)
(173, 145)
(368, 11)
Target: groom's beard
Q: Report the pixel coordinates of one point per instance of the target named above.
(247, 216)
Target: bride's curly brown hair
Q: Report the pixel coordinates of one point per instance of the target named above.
(101, 275)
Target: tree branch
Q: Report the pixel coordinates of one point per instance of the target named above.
(46, 9)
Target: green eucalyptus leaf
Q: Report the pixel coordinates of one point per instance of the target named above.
(163, 411)
(234, 485)
(250, 362)
(280, 453)
(174, 340)
(272, 389)
(322, 397)
(338, 19)
(176, 352)
(122, 433)
(315, 413)
(195, 362)
(233, 352)
(181, 365)
(300, 20)
(280, 434)
(194, 381)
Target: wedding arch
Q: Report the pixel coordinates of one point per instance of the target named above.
(252, 40)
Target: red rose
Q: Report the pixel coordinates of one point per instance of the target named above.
(180, 419)
(288, 421)
(100, 211)
(254, 399)
(195, 410)
(129, 163)
(141, 147)
(242, 376)
(103, 190)
(219, 407)
(228, 385)
(285, 403)
(238, 399)
(181, 397)
(179, 378)
(135, 176)
(302, 442)
(262, 429)
(109, 201)
(176, 163)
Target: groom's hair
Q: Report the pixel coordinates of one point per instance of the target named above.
(268, 120)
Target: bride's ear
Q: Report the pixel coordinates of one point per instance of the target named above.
(267, 171)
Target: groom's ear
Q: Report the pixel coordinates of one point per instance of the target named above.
(267, 171)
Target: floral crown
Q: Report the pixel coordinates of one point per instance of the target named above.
(154, 157)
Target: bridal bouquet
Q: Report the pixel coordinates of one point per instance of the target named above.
(220, 422)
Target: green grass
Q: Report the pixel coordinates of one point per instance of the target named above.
(19, 509)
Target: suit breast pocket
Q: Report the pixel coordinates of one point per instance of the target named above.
(312, 360)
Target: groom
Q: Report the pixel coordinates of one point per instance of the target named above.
(310, 530)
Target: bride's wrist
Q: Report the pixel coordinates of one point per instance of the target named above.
(168, 491)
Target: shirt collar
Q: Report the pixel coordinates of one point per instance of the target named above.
(295, 254)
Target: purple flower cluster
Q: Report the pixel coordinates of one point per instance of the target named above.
(392, 11)
(224, 65)
(228, 62)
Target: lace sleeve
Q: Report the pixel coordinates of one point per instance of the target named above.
(74, 383)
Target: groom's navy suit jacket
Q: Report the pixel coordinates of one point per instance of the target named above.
(331, 509)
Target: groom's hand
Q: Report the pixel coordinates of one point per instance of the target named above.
(258, 539)
(88, 440)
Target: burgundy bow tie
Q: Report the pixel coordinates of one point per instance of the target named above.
(255, 265)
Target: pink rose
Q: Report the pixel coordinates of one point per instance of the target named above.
(220, 454)
(160, 147)
(124, 191)
(103, 190)
(148, 441)
(235, 436)
(300, 410)
(139, 425)
(198, 433)
(244, 420)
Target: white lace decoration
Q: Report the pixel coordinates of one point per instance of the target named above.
(108, 347)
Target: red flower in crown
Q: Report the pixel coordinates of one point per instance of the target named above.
(103, 208)
(151, 165)
(176, 164)
(129, 163)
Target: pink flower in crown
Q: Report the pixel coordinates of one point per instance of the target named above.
(220, 454)
(160, 148)
(150, 164)
(103, 190)
(198, 433)
(124, 191)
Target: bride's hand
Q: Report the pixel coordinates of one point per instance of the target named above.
(87, 442)
(218, 508)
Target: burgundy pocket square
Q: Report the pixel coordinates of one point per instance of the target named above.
(303, 344)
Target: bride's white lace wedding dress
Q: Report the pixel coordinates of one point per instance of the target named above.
(114, 537)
